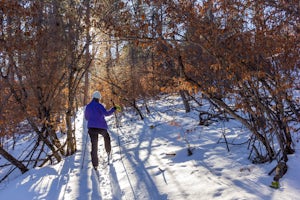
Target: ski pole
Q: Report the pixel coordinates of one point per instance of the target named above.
(116, 117)
(120, 147)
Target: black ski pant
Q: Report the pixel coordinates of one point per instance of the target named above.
(94, 132)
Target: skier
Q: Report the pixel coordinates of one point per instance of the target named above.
(94, 114)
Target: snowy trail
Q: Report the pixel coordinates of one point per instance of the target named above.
(150, 161)
(107, 178)
(104, 183)
(104, 175)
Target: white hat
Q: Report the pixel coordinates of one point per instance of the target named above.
(97, 95)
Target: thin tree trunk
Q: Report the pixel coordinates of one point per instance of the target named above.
(45, 140)
(87, 53)
(183, 94)
(260, 137)
(137, 109)
(71, 143)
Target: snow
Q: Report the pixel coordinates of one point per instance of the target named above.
(150, 161)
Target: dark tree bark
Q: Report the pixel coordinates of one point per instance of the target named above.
(13, 160)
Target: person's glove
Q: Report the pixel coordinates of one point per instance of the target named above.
(117, 108)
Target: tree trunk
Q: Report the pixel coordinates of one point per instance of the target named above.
(13, 160)
(183, 94)
(71, 142)
(138, 110)
(87, 53)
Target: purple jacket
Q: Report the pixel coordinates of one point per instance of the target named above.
(94, 113)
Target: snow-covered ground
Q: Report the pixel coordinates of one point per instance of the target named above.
(150, 161)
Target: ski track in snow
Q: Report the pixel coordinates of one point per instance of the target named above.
(104, 181)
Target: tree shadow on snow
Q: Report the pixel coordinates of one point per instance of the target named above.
(140, 181)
